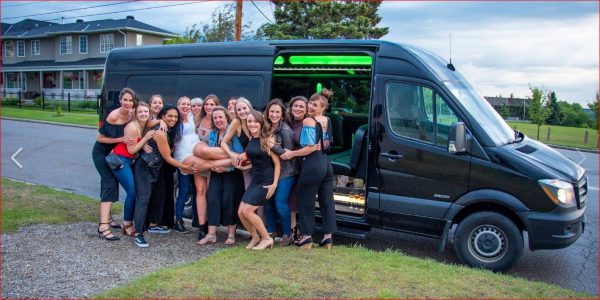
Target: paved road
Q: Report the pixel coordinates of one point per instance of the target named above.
(60, 157)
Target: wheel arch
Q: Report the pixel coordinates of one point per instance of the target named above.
(488, 200)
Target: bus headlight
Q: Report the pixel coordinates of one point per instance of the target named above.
(561, 192)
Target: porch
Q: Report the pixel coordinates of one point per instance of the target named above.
(53, 85)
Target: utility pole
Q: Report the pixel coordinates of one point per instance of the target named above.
(238, 20)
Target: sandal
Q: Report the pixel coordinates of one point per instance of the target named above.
(208, 239)
(107, 233)
(114, 224)
(126, 232)
(230, 240)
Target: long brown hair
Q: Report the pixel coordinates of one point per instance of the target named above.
(268, 123)
(209, 97)
(265, 135)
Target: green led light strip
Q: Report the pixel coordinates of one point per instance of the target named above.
(330, 60)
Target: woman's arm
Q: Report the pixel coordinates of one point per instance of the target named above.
(107, 140)
(233, 128)
(163, 147)
(277, 170)
(132, 132)
(306, 150)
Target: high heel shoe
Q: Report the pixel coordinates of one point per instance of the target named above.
(326, 243)
(106, 232)
(114, 224)
(306, 244)
(126, 232)
(264, 244)
(253, 242)
(208, 239)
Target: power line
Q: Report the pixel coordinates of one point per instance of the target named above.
(61, 11)
(127, 11)
(261, 11)
(34, 2)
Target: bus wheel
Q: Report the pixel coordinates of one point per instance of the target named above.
(488, 240)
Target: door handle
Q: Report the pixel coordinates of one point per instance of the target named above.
(391, 156)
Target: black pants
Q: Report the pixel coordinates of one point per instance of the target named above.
(168, 208)
(150, 192)
(225, 191)
(316, 178)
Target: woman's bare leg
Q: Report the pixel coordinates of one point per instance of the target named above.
(200, 183)
(204, 151)
(255, 220)
(202, 165)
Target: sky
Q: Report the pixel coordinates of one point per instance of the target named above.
(502, 48)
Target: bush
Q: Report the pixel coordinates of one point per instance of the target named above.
(38, 101)
(10, 102)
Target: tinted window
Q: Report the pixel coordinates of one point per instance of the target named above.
(148, 85)
(418, 112)
(226, 86)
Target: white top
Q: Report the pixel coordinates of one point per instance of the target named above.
(189, 139)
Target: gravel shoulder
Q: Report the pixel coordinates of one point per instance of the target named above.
(70, 261)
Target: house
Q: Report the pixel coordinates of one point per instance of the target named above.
(516, 108)
(61, 59)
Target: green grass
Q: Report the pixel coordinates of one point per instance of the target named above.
(80, 118)
(343, 272)
(560, 135)
(27, 204)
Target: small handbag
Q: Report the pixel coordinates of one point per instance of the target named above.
(152, 159)
(114, 162)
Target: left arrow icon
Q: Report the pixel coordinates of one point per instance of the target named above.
(15, 160)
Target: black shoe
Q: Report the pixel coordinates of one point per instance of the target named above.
(326, 243)
(106, 233)
(306, 244)
(180, 227)
(203, 230)
(114, 224)
(140, 241)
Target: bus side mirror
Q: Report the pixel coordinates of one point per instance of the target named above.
(457, 138)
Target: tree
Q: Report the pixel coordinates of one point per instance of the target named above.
(504, 112)
(191, 35)
(594, 107)
(222, 27)
(574, 115)
(537, 110)
(555, 115)
(341, 19)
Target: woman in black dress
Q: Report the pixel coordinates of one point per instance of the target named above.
(110, 134)
(265, 175)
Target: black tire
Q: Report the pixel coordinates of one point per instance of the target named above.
(488, 240)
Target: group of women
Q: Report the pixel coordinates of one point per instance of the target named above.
(247, 168)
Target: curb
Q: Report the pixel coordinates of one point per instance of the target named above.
(573, 148)
(94, 127)
(50, 123)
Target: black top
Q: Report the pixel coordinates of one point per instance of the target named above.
(262, 164)
(110, 131)
(243, 138)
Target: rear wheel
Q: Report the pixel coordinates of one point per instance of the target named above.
(488, 240)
